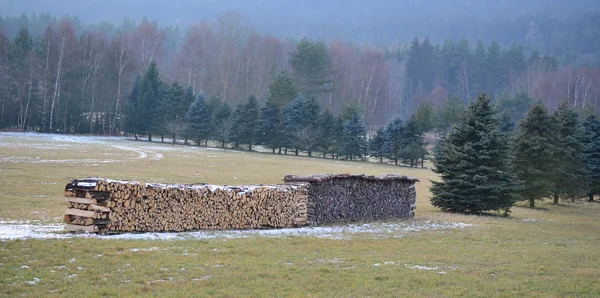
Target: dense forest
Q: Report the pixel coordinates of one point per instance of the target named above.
(61, 74)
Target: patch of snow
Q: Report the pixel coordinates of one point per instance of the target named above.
(24, 267)
(13, 230)
(33, 282)
(529, 220)
(423, 267)
(72, 275)
(376, 264)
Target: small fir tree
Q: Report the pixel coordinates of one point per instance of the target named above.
(354, 138)
(591, 143)
(198, 120)
(533, 159)
(473, 165)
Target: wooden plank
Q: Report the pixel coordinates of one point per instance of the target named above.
(81, 200)
(82, 213)
(98, 208)
(76, 228)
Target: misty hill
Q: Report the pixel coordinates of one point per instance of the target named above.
(376, 21)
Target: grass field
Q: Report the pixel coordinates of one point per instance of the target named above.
(553, 251)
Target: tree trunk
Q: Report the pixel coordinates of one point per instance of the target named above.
(395, 161)
(273, 150)
(555, 199)
(296, 152)
(56, 97)
(135, 135)
(590, 197)
(531, 203)
(149, 137)
(162, 138)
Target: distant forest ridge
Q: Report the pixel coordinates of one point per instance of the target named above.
(566, 29)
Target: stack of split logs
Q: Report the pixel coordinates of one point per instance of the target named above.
(100, 205)
(356, 197)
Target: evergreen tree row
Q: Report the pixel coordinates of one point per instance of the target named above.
(155, 108)
(484, 166)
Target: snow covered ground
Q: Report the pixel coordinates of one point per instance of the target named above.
(14, 230)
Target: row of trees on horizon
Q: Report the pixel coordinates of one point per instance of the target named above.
(61, 81)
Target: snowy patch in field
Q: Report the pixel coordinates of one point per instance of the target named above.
(11, 230)
(33, 282)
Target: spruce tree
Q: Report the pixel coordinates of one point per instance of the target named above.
(473, 165)
(412, 143)
(223, 124)
(312, 67)
(338, 142)
(376, 145)
(354, 138)
(392, 140)
(569, 175)
(282, 89)
(132, 121)
(591, 143)
(533, 155)
(148, 110)
(247, 122)
(198, 120)
(268, 132)
(326, 123)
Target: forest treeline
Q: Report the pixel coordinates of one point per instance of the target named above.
(59, 75)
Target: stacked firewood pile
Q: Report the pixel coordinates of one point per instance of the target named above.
(100, 205)
(345, 197)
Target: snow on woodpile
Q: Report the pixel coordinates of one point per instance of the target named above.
(348, 197)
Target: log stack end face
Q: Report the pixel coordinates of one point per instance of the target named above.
(352, 197)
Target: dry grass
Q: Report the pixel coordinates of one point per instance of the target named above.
(546, 252)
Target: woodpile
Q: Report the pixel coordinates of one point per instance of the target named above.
(100, 205)
(346, 197)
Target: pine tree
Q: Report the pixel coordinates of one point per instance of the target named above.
(412, 143)
(326, 123)
(213, 105)
(376, 145)
(569, 175)
(532, 151)
(473, 165)
(448, 114)
(313, 69)
(354, 138)
(223, 124)
(338, 142)
(247, 122)
(132, 121)
(268, 132)
(282, 89)
(424, 117)
(147, 102)
(300, 122)
(591, 143)
(392, 140)
(198, 120)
